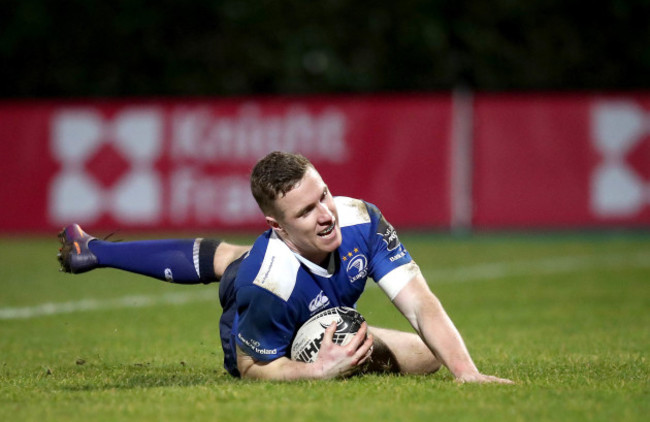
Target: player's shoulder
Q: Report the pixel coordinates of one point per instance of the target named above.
(354, 211)
(270, 266)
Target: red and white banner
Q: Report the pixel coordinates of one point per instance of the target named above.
(540, 161)
(169, 165)
(561, 161)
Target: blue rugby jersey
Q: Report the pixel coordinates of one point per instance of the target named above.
(277, 290)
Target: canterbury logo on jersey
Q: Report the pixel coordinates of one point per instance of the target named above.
(318, 302)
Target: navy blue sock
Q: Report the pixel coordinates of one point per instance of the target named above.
(170, 260)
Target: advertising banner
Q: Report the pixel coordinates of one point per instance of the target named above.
(185, 165)
(561, 161)
(489, 161)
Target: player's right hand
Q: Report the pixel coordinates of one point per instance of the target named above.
(482, 379)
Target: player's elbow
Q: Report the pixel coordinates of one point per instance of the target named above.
(245, 365)
(252, 369)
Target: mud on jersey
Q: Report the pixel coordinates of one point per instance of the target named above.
(278, 290)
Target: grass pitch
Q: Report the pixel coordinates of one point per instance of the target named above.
(565, 316)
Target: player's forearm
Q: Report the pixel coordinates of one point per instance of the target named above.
(426, 314)
(439, 333)
(281, 369)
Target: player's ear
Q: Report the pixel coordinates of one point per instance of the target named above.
(273, 223)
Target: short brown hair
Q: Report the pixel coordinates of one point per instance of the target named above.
(275, 175)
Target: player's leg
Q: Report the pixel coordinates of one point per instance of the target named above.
(185, 261)
(227, 300)
(400, 352)
(224, 255)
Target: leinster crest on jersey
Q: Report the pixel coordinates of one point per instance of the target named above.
(357, 267)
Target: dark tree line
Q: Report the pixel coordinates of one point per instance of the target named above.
(69, 48)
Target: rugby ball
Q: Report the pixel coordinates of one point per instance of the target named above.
(306, 343)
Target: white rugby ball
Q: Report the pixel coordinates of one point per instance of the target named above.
(306, 344)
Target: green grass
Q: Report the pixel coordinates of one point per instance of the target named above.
(565, 316)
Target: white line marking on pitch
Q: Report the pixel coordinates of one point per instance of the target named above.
(136, 301)
(554, 265)
(477, 272)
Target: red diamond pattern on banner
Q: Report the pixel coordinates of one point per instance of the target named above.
(107, 166)
(639, 158)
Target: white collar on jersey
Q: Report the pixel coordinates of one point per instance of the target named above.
(314, 268)
(317, 269)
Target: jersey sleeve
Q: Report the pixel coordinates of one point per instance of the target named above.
(265, 328)
(391, 265)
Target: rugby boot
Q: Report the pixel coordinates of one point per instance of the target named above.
(74, 255)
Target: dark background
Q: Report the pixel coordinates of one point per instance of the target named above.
(80, 48)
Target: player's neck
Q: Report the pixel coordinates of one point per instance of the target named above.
(325, 268)
(322, 259)
(328, 262)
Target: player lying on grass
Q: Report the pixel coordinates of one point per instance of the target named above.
(317, 254)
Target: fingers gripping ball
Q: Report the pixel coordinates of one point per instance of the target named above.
(306, 344)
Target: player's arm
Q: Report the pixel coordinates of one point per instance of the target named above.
(333, 360)
(426, 314)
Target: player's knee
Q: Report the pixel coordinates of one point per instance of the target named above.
(432, 365)
(401, 352)
(225, 255)
(382, 360)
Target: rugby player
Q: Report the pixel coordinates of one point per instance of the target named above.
(318, 253)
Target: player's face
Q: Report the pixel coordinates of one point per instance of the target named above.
(307, 219)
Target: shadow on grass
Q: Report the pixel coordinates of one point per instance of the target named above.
(137, 377)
